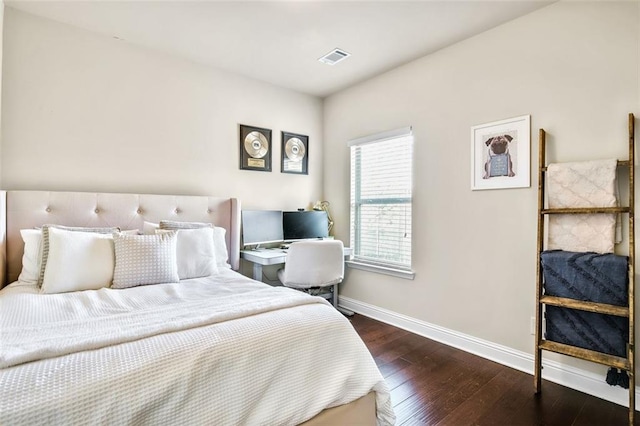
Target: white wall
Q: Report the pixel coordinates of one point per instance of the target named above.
(87, 112)
(574, 67)
(2, 228)
(1, 37)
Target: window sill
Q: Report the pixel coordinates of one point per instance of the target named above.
(399, 273)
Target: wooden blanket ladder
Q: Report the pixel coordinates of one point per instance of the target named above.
(622, 363)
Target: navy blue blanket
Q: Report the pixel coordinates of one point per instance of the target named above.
(603, 333)
(601, 278)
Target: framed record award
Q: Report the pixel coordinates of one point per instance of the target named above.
(295, 153)
(255, 148)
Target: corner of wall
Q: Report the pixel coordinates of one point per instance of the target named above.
(3, 238)
(1, 45)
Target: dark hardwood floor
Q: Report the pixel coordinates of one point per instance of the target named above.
(435, 384)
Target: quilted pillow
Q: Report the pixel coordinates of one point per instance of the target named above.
(145, 259)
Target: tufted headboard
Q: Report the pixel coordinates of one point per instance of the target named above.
(28, 209)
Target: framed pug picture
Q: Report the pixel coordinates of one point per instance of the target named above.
(295, 153)
(255, 148)
(500, 154)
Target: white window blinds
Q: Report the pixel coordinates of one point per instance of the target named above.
(381, 198)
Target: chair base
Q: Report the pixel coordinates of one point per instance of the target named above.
(345, 312)
(330, 293)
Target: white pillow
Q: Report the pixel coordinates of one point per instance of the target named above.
(145, 259)
(149, 228)
(44, 252)
(78, 261)
(195, 253)
(31, 258)
(219, 243)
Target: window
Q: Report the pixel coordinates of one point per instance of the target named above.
(381, 198)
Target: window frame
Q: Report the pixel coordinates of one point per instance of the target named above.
(356, 202)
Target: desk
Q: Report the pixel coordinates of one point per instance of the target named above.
(275, 256)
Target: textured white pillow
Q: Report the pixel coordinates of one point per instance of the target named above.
(174, 224)
(219, 243)
(195, 253)
(31, 258)
(78, 261)
(145, 259)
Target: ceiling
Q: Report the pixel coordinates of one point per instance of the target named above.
(280, 42)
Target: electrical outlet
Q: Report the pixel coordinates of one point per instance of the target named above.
(533, 326)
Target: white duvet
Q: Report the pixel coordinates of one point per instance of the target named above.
(222, 350)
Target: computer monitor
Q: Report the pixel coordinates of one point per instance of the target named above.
(261, 227)
(305, 225)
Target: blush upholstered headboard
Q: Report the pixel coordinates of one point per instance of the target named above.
(28, 209)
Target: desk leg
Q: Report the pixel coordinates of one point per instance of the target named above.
(257, 272)
(344, 311)
(334, 296)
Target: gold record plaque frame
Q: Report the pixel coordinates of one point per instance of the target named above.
(295, 153)
(255, 148)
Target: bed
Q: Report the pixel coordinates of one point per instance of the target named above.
(219, 349)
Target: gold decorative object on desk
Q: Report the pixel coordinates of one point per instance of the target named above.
(324, 206)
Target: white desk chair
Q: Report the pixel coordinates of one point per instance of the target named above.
(314, 264)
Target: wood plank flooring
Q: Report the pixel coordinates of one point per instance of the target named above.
(434, 384)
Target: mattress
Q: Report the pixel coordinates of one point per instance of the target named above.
(221, 350)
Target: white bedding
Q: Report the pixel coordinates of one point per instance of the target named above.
(218, 350)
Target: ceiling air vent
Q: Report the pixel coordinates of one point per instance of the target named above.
(335, 56)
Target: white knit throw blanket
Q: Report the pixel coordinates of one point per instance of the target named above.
(582, 184)
(47, 340)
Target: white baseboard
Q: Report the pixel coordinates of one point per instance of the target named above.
(575, 378)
